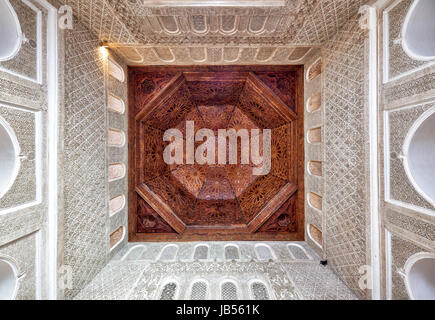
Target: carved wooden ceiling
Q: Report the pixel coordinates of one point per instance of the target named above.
(241, 32)
(226, 202)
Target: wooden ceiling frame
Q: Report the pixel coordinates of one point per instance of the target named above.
(219, 74)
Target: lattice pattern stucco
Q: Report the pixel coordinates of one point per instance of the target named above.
(85, 239)
(346, 154)
(141, 272)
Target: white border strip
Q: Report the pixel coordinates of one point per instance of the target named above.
(53, 141)
(388, 265)
(374, 170)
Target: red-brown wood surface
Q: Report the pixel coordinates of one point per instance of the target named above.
(188, 202)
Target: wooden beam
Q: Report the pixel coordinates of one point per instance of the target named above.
(161, 208)
(272, 206)
(271, 98)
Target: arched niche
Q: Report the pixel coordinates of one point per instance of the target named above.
(164, 53)
(116, 171)
(135, 253)
(169, 24)
(259, 290)
(199, 24)
(298, 252)
(264, 252)
(314, 102)
(116, 237)
(9, 157)
(298, 53)
(169, 291)
(419, 155)
(229, 290)
(169, 253)
(198, 54)
(201, 252)
(8, 280)
(315, 168)
(116, 204)
(315, 135)
(228, 24)
(232, 252)
(115, 104)
(314, 70)
(420, 276)
(10, 31)
(418, 31)
(199, 290)
(116, 138)
(257, 24)
(116, 71)
(315, 235)
(315, 201)
(131, 54)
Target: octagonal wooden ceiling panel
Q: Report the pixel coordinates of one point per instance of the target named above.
(192, 201)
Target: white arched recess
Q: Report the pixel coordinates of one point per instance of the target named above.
(419, 155)
(9, 278)
(420, 276)
(11, 36)
(418, 30)
(9, 157)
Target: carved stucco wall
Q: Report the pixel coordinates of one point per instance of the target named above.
(85, 243)
(23, 106)
(145, 35)
(87, 223)
(117, 153)
(346, 195)
(314, 152)
(407, 91)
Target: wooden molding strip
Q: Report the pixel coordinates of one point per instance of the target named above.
(216, 76)
(161, 208)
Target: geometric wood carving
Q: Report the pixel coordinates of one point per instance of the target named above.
(215, 202)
